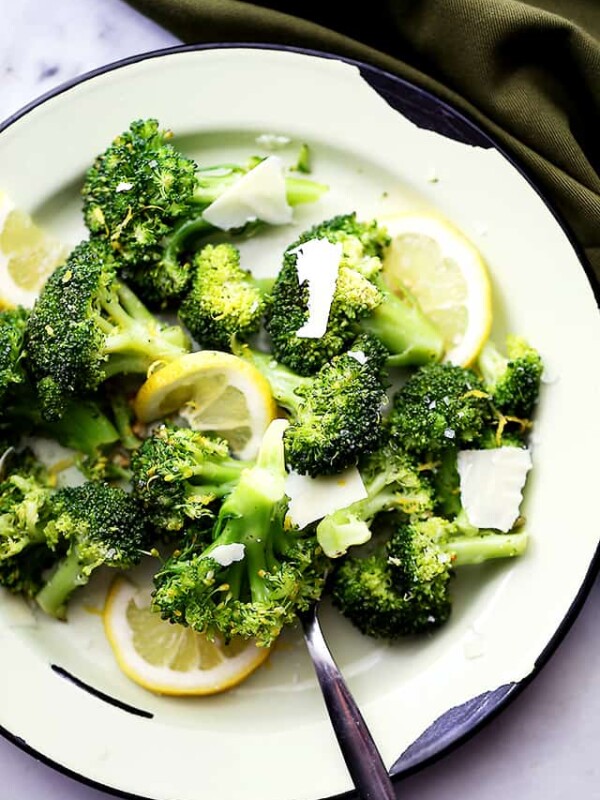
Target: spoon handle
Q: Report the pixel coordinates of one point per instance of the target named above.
(360, 753)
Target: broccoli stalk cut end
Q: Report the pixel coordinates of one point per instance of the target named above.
(400, 324)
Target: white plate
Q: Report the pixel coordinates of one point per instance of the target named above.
(270, 738)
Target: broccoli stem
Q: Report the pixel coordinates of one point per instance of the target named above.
(83, 427)
(282, 380)
(187, 234)
(213, 182)
(447, 485)
(235, 578)
(222, 472)
(135, 339)
(247, 512)
(350, 526)
(132, 306)
(485, 546)
(123, 415)
(301, 190)
(400, 324)
(64, 580)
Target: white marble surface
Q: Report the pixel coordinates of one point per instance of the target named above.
(545, 744)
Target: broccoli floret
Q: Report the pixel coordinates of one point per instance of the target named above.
(134, 195)
(403, 587)
(423, 550)
(84, 427)
(336, 414)
(393, 482)
(146, 198)
(224, 300)
(87, 326)
(362, 302)
(440, 406)
(178, 473)
(13, 323)
(102, 525)
(364, 591)
(279, 571)
(513, 381)
(25, 492)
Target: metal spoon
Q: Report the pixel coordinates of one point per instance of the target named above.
(361, 755)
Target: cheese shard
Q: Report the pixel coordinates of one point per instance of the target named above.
(491, 485)
(314, 498)
(226, 554)
(259, 194)
(358, 355)
(317, 263)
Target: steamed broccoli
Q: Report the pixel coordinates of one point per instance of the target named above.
(102, 526)
(362, 302)
(363, 590)
(257, 573)
(87, 326)
(134, 195)
(13, 323)
(402, 588)
(513, 381)
(178, 473)
(336, 414)
(441, 406)
(146, 198)
(25, 491)
(224, 300)
(85, 427)
(393, 482)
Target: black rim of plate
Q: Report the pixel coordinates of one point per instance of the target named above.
(426, 110)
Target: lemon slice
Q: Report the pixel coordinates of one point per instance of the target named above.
(214, 392)
(170, 659)
(447, 275)
(28, 255)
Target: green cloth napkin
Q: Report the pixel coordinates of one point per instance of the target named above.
(528, 72)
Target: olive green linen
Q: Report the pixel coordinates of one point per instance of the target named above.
(528, 72)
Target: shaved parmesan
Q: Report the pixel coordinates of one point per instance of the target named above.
(226, 554)
(314, 498)
(358, 355)
(318, 263)
(259, 194)
(491, 485)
